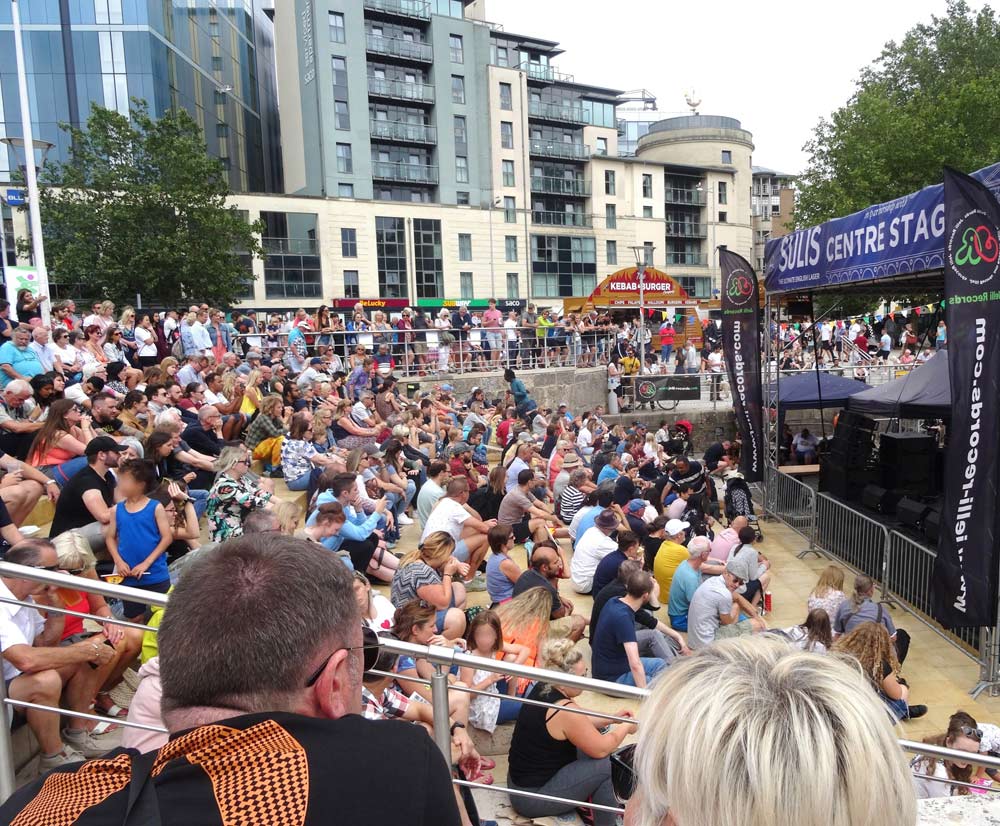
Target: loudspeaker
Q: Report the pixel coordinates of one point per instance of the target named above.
(912, 512)
(932, 526)
(832, 477)
(879, 499)
(909, 462)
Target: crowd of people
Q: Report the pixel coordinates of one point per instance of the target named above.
(667, 545)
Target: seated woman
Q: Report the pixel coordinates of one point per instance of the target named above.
(563, 754)
(234, 494)
(377, 611)
(301, 462)
(428, 573)
(348, 433)
(870, 645)
(267, 431)
(135, 412)
(63, 436)
(526, 621)
(329, 519)
(486, 499)
(819, 720)
(322, 438)
(815, 634)
(485, 639)
(501, 571)
(829, 592)
(396, 481)
(931, 776)
(184, 529)
(194, 397)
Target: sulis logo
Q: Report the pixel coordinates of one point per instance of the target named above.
(973, 249)
(739, 287)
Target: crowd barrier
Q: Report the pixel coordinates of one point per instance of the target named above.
(442, 658)
(791, 501)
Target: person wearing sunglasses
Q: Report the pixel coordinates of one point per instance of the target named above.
(714, 612)
(931, 776)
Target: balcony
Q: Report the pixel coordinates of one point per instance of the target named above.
(399, 48)
(562, 113)
(408, 173)
(544, 74)
(562, 219)
(290, 246)
(684, 229)
(573, 188)
(381, 87)
(402, 132)
(691, 197)
(408, 9)
(557, 149)
(686, 259)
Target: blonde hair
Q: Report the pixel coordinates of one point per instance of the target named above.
(74, 552)
(560, 655)
(229, 457)
(126, 315)
(272, 402)
(832, 579)
(434, 550)
(787, 715)
(190, 318)
(528, 613)
(288, 514)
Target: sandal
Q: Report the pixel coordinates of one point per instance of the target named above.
(103, 704)
(104, 728)
(486, 764)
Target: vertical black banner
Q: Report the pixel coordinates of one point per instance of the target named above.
(964, 585)
(741, 348)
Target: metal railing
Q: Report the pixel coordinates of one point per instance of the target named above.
(398, 130)
(560, 186)
(400, 89)
(546, 74)
(793, 502)
(692, 259)
(562, 219)
(559, 149)
(567, 113)
(855, 539)
(411, 173)
(675, 195)
(684, 229)
(290, 246)
(404, 8)
(397, 47)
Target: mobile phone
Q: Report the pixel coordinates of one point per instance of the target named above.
(95, 666)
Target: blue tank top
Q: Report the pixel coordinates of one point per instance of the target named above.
(138, 534)
(499, 587)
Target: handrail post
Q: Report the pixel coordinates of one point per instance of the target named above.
(439, 704)
(7, 785)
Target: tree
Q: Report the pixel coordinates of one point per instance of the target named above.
(928, 101)
(140, 207)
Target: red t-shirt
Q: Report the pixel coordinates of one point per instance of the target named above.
(74, 625)
(666, 335)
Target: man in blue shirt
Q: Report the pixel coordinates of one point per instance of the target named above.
(614, 646)
(685, 582)
(612, 470)
(604, 500)
(17, 359)
(607, 568)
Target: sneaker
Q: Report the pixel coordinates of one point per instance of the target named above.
(65, 757)
(913, 712)
(403, 519)
(477, 583)
(85, 743)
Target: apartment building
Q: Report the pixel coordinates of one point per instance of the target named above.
(772, 203)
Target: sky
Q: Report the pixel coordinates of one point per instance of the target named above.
(776, 65)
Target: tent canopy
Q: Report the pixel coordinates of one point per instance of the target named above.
(803, 392)
(923, 393)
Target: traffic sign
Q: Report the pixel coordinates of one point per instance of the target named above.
(16, 197)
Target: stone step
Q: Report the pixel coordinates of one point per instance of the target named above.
(488, 744)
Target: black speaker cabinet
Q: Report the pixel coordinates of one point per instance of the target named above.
(879, 499)
(932, 527)
(912, 512)
(908, 462)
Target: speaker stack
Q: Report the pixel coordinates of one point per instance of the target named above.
(879, 499)
(848, 468)
(932, 526)
(909, 463)
(912, 513)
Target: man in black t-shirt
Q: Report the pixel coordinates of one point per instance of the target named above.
(205, 436)
(545, 570)
(262, 732)
(87, 498)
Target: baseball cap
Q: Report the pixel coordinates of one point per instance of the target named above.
(374, 451)
(316, 361)
(637, 506)
(100, 444)
(475, 390)
(92, 369)
(447, 388)
(524, 436)
(460, 447)
(254, 354)
(675, 526)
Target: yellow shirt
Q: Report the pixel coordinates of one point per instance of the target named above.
(630, 365)
(669, 558)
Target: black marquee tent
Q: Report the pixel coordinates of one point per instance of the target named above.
(923, 393)
(804, 392)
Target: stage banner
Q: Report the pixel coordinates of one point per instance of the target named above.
(965, 571)
(741, 348)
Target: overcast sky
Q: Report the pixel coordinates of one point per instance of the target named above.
(777, 65)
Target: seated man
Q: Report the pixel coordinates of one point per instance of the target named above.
(805, 445)
(522, 511)
(687, 579)
(36, 668)
(205, 436)
(614, 643)
(431, 490)
(714, 613)
(17, 425)
(453, 515)
(672, 554)
(545, 572)
(591, 548)
(87, 499)
(607, 569)
(861, 607)
(752, 593)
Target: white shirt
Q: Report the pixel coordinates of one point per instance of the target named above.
(71, 359)
(214, 398)
(584, 438)
(146, 341)
(715, 362)
(825, 332)
(45, 353)
(511, 327)
(853, 331)
(18, 626)
(169, 325)
(513, 470)
(575, 524)
(447, 516)
(593, 546)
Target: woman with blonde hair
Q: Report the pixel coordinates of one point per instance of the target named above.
(234, 494)
(829, 591)
(525, 620)
(818, 751)
(267, 431)
(169, 367)
(252, 396)
(563, 754)
(428, 573)
(870, 645)
(289, 515)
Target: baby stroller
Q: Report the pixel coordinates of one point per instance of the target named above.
(738, 501)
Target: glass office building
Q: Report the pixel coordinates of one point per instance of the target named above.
(214, 58)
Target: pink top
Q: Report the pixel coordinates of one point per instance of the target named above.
(723, 544)
(492, 319)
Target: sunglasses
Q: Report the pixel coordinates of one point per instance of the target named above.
(623, 780)
(369, 646)
(974, 733)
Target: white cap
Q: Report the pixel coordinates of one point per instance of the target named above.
(675, 526)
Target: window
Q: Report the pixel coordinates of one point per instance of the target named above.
(341, 113)
(464, 247)
(722, 192)
(513, 286)
(456, 47)
(342, 117)
(611, 216)
(457, 89)
(348, 242)
(647, 212)
(723, 217)
(775, 209)
(602, 146)
(465, 282)
(352, 285)
(427, 259)
(510, 247)
(510, 210)
(508, 173)
(506, 96)
(647, 186)
(506, 134)
(609, 182)
(647, 253)
(563, 266)
(461, 135)
(336, 23)
(501, 58)
(461, 169)
(345, 190)
(462, 198)
(390, 249)
(345, 161)
(611, 252)
(727, 156)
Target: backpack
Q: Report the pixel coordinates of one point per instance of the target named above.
(177, 349)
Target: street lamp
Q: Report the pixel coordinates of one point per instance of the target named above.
(493, 287)
(34, 211)
(642, 255)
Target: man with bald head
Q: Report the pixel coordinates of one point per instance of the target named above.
(205, 435)
(724, 542)
(545, 572)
